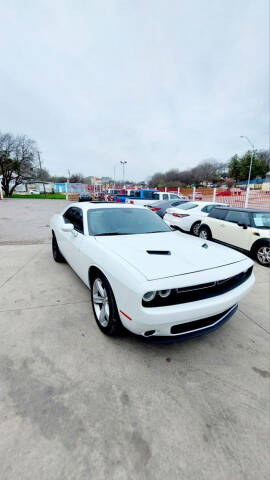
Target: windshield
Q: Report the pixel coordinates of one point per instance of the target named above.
(124, 221)
(261, 220)
(149, 194)
(188, 206)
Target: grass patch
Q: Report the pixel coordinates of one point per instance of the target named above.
(54, 196)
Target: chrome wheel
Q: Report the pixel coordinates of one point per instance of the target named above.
(203, 234)
(263, 255)
(101, 302)
(195, 229)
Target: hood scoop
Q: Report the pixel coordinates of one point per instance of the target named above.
(158, 252)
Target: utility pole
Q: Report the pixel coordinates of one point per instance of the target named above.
(40, 173)
(123, 162)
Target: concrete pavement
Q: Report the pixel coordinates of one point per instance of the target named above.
(75, 404)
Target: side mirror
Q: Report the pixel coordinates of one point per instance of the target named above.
(243, 225)
(68, 227)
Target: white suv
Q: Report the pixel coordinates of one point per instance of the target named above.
(245, 229)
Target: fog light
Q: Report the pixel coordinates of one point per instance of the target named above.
(164, 293)
(149, 296)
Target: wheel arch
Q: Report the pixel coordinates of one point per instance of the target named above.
(92, 270)
(258, 243)
(194, 223)
(204, 225)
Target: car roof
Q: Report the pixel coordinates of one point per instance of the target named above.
(165, 202)
(92, 205)
(242, 209)
(202, 203)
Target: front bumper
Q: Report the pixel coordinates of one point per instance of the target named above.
(162, 319)
(224, 317)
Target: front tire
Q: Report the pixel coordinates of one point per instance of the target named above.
(262, 254)
(205, 233)
(104, 305)
(195, 229)
(57, 255)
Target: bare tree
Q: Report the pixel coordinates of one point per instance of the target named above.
(76, 178)
(18, 155)
(230, 182)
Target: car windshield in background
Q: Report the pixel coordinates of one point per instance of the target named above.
(261, 220)
(150, 195)
(188, 206)
(124, 221)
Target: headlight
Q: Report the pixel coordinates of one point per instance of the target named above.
(149, 296)
(164, 293)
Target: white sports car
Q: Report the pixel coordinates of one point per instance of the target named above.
(146, 277)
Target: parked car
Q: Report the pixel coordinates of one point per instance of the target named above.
(85, 197)
(198, 196)
(33, 191)
(145, 276)
(188, 217)
(148, 196)
(246, 229)
(161, 206)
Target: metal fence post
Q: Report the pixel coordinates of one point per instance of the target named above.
(247, 196)
(214, 194)
(194, 193)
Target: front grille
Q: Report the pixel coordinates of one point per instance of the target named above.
(199, 292)
(198, 324)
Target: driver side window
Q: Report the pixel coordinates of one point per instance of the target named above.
(74, 215)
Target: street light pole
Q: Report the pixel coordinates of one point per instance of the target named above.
(123, 162)
(250, 166)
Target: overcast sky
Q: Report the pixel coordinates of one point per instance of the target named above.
(158, 83)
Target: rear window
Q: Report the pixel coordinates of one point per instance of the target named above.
(234, 216)
(189, 205)
(218, 213)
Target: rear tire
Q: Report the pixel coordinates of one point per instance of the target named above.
(195, 228)
(262, 254)
(104, 305)
(57, 255)
(205, 233)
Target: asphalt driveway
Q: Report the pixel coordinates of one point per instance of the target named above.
(75, 404)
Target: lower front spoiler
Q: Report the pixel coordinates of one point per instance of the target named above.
(193, 333)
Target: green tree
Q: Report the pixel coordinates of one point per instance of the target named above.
(234, 168)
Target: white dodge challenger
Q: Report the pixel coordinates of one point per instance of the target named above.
(145, 276)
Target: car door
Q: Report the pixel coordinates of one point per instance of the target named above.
(216, 222)
(70, 245)
(236, 230)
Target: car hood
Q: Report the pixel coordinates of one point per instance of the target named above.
(187, 254)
